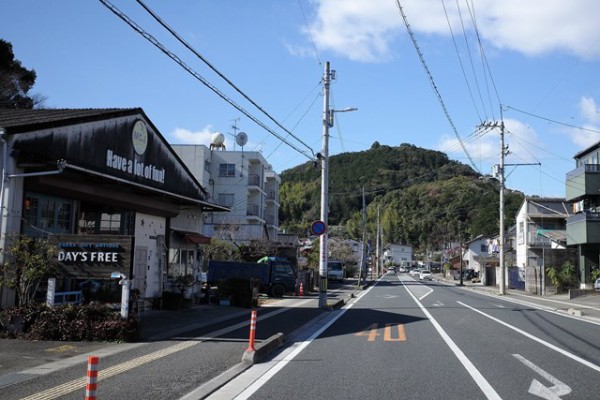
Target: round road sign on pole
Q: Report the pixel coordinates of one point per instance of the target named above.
(318, 228)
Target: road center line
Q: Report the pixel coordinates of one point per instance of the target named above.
(483, 384)
(540, 341)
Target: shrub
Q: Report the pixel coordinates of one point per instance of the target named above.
(93, 322)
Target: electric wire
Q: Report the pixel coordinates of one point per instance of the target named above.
(312, 40)
(551, 120)
(175, 58)
(212, 67)
(486, 67)
(433, 85)
(462, 67)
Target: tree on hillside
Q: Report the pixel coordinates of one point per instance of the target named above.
(15, 81)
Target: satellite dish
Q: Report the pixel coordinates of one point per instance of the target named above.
(241, 139)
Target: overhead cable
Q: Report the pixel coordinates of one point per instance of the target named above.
(175, 58)
(433, 85)
(197, 54)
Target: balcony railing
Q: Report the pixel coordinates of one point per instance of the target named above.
(253, 210)
(254, 180)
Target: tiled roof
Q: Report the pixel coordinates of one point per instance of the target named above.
(18, 121)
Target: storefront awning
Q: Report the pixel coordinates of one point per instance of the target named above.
(192, 237)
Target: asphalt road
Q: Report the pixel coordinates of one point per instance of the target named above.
(415, 340)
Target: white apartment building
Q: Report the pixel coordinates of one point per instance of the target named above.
(241, 180)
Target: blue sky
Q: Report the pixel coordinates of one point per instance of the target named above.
(540, 67)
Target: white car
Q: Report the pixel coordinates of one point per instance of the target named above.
(415, 272)
(597, 284)
(425, 275)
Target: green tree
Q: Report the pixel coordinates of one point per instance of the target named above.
(562, 277)
(15, 81)
(28, 261)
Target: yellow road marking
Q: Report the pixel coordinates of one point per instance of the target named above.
(79, 383)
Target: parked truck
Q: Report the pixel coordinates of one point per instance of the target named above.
(335, 270)
(274, 276)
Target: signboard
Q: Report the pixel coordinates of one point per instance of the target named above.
(93, 256)
(318, 228)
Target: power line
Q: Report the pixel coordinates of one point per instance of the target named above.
(462, 68)
(433, 85)
(197, 54)
(175, 58)
(551, 120)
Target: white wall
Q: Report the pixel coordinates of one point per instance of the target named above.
(148, 230)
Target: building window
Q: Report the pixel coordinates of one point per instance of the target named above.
(207, 165)
(46, 214)
(94, 220)
(226, 169)
(181, 263)
(225, 199)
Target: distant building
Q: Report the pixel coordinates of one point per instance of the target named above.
(398, 254)
(242, 181)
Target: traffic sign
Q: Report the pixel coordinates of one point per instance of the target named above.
(318, 228)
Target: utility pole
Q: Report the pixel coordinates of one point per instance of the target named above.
(363, 264)
(328, 119)
(500, 172)
(324, 191)
(501, 241)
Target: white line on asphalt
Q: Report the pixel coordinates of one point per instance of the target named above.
(294, 350)
(483, 384)
(426, 294)
(530, 336)
(538, 389)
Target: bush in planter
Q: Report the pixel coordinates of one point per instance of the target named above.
(94, 322)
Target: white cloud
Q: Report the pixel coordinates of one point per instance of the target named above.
(522, 141)
(181, 135)
(589, 110)
(363, 30)
(590, 132)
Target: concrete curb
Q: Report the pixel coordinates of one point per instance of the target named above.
(263, 349)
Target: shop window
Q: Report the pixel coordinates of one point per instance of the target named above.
(226, 169)
(46, 214)
(182, 263)
(94, 220)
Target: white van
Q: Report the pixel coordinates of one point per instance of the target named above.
(335, 271)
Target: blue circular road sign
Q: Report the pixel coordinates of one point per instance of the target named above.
(318, 228)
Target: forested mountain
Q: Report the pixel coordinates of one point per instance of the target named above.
(423, 198)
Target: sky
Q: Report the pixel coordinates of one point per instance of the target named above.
(429, 73)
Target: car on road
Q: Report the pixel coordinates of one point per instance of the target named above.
(597, 284)
(415, 272)
(402, 269)
(425, 275)
(391, 269)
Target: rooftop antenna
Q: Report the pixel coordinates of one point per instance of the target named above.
(235, 129)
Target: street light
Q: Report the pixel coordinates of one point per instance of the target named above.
(328, 119)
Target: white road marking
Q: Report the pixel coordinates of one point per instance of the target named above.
(530, 336)
(426, 294)
(483, 384)
(537, 389)
(275, 366)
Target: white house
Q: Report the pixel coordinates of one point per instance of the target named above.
(398, 254)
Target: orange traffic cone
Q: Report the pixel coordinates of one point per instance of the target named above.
(301, 290)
